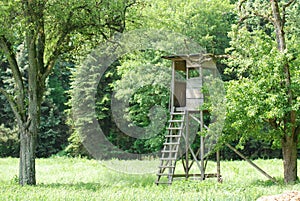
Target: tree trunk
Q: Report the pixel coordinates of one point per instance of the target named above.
(29, 135)
(289, 151)
(27, 157)
(289, 142)
(29, 129)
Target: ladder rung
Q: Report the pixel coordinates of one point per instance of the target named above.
(172, 135)
(166, 166)
(171, 143)
(158, 182)
(175, 128)
(164, 174)
(168, 151)
(168, 159)
(177, 113)
(176, 121)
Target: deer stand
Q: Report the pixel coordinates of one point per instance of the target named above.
(186, 119)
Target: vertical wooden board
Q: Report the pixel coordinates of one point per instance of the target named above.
(180, 65)
(194, 103)
(193, 93)
(180, 94)
(194, 83)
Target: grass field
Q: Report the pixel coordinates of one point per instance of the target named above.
(83, 179)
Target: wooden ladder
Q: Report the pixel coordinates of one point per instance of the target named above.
(171, 147)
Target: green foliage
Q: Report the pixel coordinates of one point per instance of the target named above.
(54, 131)
(215, 104)
(252, 149)
(9, 142)
(138, 80)
(85, 23)
(257, 102)
(55, 30)
(6, 114)
(144, 85)
(53, 127)
(9, 17)
(206, 22)
(75, 147)
(93, 181)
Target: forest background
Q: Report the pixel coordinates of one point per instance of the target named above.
(213, 24)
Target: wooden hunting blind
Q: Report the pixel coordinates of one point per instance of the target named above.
(189, 73)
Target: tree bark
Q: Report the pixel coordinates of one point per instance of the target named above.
(290, 139)
(27, 157)
(30, 128)
(29, 132)
(289, 151)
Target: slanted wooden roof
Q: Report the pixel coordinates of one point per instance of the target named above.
(206, 60)
(179, 57)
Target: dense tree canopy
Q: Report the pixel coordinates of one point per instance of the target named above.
(48, 30)
(264, 100)
(43, 41)
(207, 23)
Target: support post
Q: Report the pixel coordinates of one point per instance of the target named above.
(187, 146)
(251, 163)
(218, 166)
(172, 88)
(202, 147)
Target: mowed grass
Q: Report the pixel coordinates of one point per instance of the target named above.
(83, 179)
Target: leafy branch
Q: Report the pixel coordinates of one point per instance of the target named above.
(284, 7)
(6, 46)
(12, 104)
(18, 107)
(254, 13)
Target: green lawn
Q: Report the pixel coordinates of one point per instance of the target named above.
(82, 179)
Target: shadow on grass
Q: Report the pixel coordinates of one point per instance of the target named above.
(91, 186)
(269, 183)
(109, 181)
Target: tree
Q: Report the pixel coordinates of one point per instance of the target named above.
(49, 30)
(144, 77)
(206, 22)
(264, 100)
